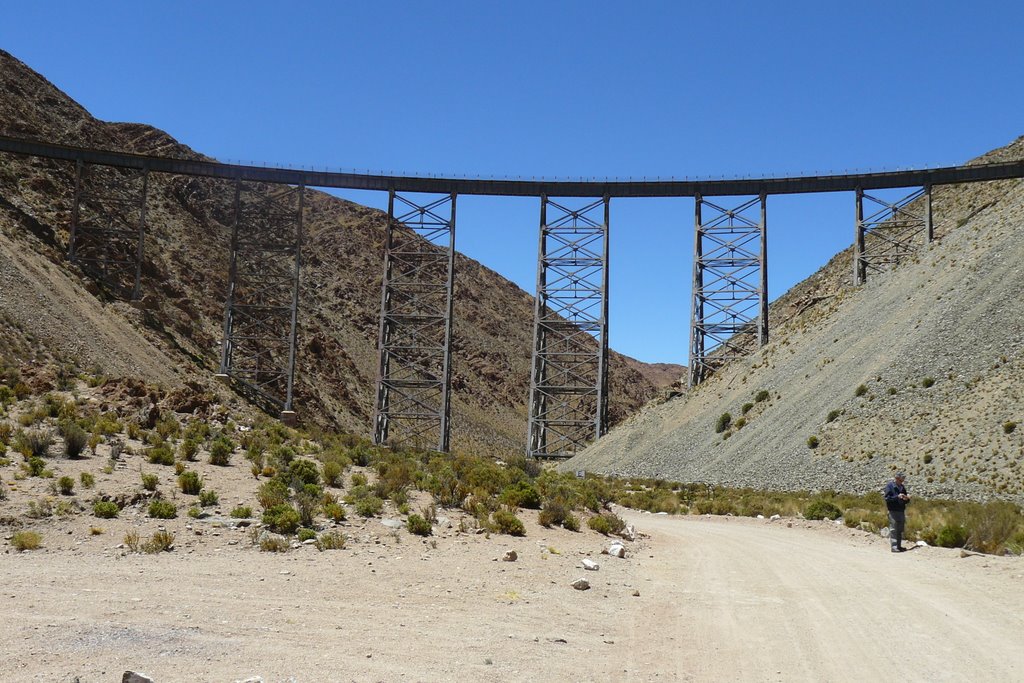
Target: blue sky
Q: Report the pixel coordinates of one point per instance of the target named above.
(560, 89)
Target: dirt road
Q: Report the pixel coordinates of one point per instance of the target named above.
(700, 599)
(745, 600)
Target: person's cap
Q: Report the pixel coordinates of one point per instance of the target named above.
(900, 475)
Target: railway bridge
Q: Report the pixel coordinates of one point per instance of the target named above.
(569, 379)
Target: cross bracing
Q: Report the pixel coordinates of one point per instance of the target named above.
(414, 342)
(107, 232)
(888, 233)
(569, 380)
(261, 311)
(730, 299)
(113, 222)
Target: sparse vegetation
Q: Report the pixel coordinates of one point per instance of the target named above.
(416, 524)
(220, 451)
(1009, 427)
(812, 442)
(105, 509)
(26, 540)
(208, 498)
(162, 509)
(150, 481)
(66, 485)
(832, 415)
(860, 390)
(190, 482)
(822, 509)
(242, 512)
(606, 523)
(928, 382)
(761, 396)
(723, 422)
(330, 540)
(87, 480)
(505, 522)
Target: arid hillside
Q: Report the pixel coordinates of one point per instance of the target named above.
(174, 333)
(921, 369)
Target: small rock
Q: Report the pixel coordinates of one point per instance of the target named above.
(590, 565)
(964, 553)
(392, 523)
(581, 585)
(775, 517)
(921, 544)
(510, 556)
(636, 594)
(629, 533)
(760, 516)
(135, 677)
(309, 541)
(251, 679)
(617, 550)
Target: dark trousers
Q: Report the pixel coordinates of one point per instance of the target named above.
(897, 520)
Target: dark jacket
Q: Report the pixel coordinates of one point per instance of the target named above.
(892, 496)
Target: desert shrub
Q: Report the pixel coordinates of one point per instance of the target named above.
(417, 525)
(1008, 427)
(168, 427)
(305, 534)
(150, 481)
(928, 382)
(188, 450)
(3, 491)
(723, 422)
(927, 458)
(131, 540)
(197, 430)
(358, 479)
(761, 395)
(208, 498)
(242, 512)
(740, 423)
(87, 480)
(38, 509)
(334, 512)
(194, 511)
(271, 494)
(522, 494)
(162, 509)
(272, 543)
(505, 522)
(330, 540)
(746, 408)
(283, 456)
(160, 455)
(26, 540)
(991, 525)
(66, 485)
(952, 535)
(159, 542)
(32, 443)
(332, 472)
(302, 472)
(891, 391)
(307, 501)
(553, 513)
(832, 415)
(860, 390)
(571, 522)
(36, 466)
(190, 482)
(822, 509)
(282, 518)
(812, 442)
(220, 451)
(105, 509)
(369, 506)
(75, 439)
(606, 523)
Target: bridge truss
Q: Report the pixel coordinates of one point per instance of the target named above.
(569, 380)
(414, 345)
(568, 387)
(262, 302)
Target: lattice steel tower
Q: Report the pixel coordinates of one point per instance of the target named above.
(729, 314)
(891, 232)
(108, 226)
(261, 311)
(414, 383)
(569, 381)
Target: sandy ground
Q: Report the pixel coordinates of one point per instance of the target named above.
(696, 599)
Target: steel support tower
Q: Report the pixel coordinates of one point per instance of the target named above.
(891, 232)
(569, 380)
(414, 343)
(108, 226)
(729, 314)
(261, 309)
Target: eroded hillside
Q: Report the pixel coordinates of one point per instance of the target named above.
(185, 271)
(921, 369)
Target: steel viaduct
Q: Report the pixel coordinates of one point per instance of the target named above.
(569, 378)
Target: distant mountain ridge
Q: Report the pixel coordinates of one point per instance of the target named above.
(185, 270)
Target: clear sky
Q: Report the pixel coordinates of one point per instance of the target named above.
(560, 89)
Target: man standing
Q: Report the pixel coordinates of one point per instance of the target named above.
(896, 500)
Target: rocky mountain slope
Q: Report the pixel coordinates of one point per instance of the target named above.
(921, 369)
(173, 334)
